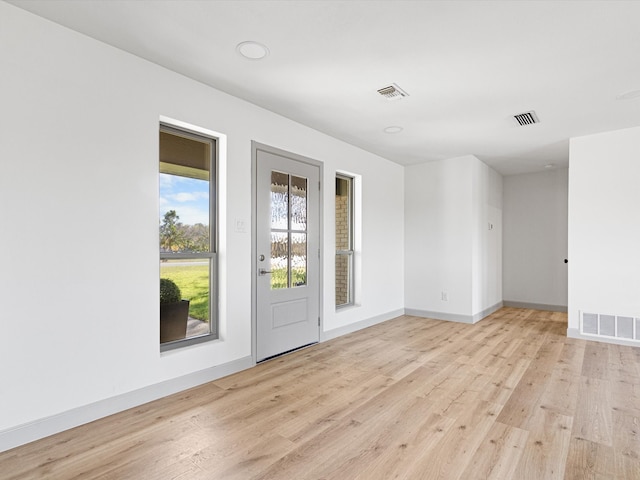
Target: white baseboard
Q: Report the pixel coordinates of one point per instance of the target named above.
(29, 432)
(487, 311)
(354, 327)
(449, 317)
(454, 317)
(536, 306)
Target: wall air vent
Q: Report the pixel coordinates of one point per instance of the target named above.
(527, 118)
(392, 92)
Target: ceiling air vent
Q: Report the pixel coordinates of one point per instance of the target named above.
(392, 92)
(527, 118)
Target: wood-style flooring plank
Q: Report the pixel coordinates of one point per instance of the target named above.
(626, 435)
(419, 439)
(498, 455)
(450, 457)
(561, 392)
(524, 399)
(596, 360)
(547, 447)
(589, 461)
(593, 416)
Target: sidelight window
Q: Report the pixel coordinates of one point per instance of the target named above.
(344, 241)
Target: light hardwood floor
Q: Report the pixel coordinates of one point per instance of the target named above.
(508, 398)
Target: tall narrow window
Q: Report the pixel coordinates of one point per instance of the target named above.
(344, 241)
(187, 237)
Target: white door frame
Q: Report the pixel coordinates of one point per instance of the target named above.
(255, 147)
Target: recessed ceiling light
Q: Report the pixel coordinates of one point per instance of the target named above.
(252, 50)
(393, 129)
(630, 95)
(550, 165)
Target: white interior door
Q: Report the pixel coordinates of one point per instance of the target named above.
(287, 248)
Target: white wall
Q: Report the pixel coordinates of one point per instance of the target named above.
(535, 239)
(438, 232)
(79, 190)
(448, 246)
(487, 238)
(604, 224)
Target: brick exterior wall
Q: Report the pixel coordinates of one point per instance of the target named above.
(342, 243)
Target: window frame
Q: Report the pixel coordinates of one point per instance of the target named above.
(212, 254)
(350, 252)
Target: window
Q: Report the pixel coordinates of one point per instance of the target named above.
(187, 237)
(344, 241)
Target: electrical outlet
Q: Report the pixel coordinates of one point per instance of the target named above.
(444, 296)
(240, 225)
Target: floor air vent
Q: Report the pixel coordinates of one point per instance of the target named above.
(610, 326)
(527, 118)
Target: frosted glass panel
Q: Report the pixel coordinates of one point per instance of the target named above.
(298, 259)
(279, 260)
(288, 222)
(279, 200)
(298, 203)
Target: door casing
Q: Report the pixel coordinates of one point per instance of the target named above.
(255, 147)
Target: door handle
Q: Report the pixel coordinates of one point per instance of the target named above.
(262, 271)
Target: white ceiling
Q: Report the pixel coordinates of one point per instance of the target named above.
(468, 66)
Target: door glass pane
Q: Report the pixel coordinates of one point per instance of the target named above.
(279, 260)
(298, 203)
(279, 200)
(298, 259)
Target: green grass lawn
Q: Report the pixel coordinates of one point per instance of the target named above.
(194, 285)
(279, 278)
